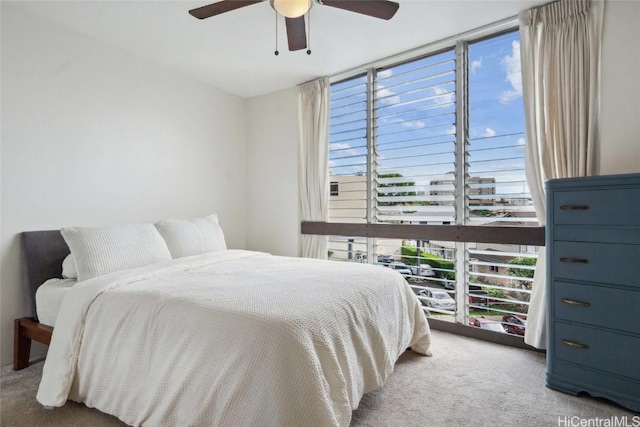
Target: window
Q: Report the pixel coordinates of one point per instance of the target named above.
(334, 189)
(438, 140)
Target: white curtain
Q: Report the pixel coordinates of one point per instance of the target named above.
(560, 55)
(313, 152)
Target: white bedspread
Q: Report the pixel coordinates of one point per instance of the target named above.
(49, 297)
(232, 338)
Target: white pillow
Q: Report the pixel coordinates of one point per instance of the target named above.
(102, 250)
(69, 268)
(192, 236)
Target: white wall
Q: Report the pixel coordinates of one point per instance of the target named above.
(620, 130)
(273, 222)
(92, 135)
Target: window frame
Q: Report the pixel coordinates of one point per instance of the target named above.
(487, 31)
(460, 232)
(459, 44)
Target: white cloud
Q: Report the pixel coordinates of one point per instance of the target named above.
(411, 124)
(338, 146)
(345, 147)
(415, 124)
(444, 95)
(488, 133)
(475, 64)
(385, 73)
(520, 141)
(514, 77)
(387, 96)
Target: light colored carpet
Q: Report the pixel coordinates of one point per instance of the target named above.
(467, 382)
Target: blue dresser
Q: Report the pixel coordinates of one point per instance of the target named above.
(593, 279)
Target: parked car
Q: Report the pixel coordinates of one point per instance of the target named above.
(514, 324)
(424, 270)
(448, 284)
(488, 324)
(479, 296)
(385, 259)
(437, 299)
(401, 268)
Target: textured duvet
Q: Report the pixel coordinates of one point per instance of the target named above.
(232, 338)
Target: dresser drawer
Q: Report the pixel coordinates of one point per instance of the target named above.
(619, 206)
(612, 352)
(596, 262)
(629, 235)
(595, 305)
(566, 376)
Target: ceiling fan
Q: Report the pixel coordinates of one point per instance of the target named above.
(294, 11)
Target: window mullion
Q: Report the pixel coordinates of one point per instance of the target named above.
(462, 131)
(371, 161)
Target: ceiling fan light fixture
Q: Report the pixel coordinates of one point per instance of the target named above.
(292, 8)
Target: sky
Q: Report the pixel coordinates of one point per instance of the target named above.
(416, 120)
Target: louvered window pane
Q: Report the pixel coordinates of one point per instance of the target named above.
(499, 276)
(342, 248)
(348, 151)
(497, 190)
(415, 141)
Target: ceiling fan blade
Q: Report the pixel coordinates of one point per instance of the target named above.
(296, 33)
(220, 7)
(382, 9)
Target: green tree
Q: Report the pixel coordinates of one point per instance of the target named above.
(482, 212)
(522, 272)
(442, 267)
(407, 183)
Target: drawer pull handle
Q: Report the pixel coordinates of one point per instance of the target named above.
(574, 208)
(574, 302)
(580, 260)
(574, 344)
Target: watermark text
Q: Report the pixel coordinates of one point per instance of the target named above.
(616, 421)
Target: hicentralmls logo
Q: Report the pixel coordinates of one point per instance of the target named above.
(576, 421)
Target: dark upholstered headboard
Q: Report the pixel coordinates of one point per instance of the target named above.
(42, 256)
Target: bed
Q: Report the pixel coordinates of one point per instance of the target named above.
(228, 337)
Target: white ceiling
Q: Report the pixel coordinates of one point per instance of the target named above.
(234, 51)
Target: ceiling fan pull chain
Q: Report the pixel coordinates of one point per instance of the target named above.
(309, 32)
(276, 53)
